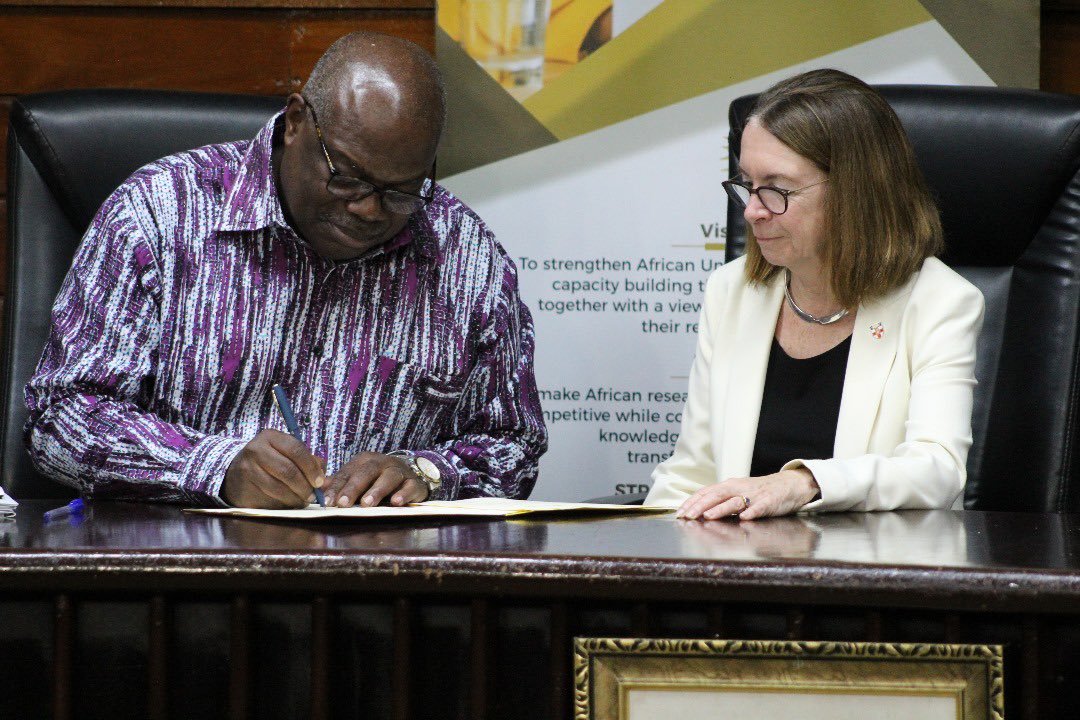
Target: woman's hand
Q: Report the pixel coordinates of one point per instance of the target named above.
(781, 493)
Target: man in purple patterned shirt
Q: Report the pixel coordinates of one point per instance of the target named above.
(320, 256)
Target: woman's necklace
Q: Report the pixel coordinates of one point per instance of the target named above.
(827, 320)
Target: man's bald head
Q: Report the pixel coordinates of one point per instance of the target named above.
(365, 67)
(371, 114)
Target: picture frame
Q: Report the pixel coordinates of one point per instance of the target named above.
(678, 679)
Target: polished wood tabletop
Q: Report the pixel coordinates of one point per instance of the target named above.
(1007, 561)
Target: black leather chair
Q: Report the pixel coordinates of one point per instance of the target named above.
(1004, 167)
(67, 151)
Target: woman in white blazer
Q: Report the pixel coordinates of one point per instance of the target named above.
(835, 361)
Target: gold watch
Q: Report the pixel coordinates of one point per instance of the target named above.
(426, 471)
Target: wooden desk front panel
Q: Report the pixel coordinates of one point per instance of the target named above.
(348, 656)
(141, 611)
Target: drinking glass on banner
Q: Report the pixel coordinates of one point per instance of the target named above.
(507, 38)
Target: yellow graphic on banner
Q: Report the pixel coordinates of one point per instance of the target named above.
(559, 58)
(576, 29)
(528, 73)
(686, 48)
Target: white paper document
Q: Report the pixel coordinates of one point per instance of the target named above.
(473, 507)
(7, 505)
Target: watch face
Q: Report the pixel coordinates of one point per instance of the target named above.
(431, 472)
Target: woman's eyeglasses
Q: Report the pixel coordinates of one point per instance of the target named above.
(774, 199)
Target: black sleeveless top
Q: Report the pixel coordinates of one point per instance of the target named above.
(799, 408)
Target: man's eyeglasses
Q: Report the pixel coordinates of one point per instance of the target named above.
(774, 199)
(354, 189)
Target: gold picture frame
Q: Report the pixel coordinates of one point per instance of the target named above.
(647, 679)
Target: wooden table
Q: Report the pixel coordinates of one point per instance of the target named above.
(144, 611)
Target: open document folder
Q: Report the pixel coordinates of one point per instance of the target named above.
(474, 507)
(7, 505)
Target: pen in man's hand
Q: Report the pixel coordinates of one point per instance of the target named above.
(294, 429)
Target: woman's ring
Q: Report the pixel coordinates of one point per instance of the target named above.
(745, 502)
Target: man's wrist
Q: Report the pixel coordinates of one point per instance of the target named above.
(425, 471)
(202, 473)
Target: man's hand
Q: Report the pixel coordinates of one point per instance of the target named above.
(274, 470)
(372, 478)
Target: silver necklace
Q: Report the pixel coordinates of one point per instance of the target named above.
(827, 320)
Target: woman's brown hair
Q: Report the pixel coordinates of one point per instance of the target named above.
(880, 220)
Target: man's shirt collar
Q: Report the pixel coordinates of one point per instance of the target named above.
(251, 198)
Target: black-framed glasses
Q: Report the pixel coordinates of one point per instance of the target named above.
(774, 199)
(354, 189)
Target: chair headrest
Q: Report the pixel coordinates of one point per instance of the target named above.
(85, 143)
(996, 160)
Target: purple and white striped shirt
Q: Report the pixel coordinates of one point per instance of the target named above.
(190, 296)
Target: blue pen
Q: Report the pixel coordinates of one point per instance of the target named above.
(294, 428)
(72, 508)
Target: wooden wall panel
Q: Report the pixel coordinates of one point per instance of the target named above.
(213, 50)
(166, 49)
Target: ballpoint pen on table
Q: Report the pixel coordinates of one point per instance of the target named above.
(72, 508)
(294, 429)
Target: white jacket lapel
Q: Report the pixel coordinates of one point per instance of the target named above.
(874, 342)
